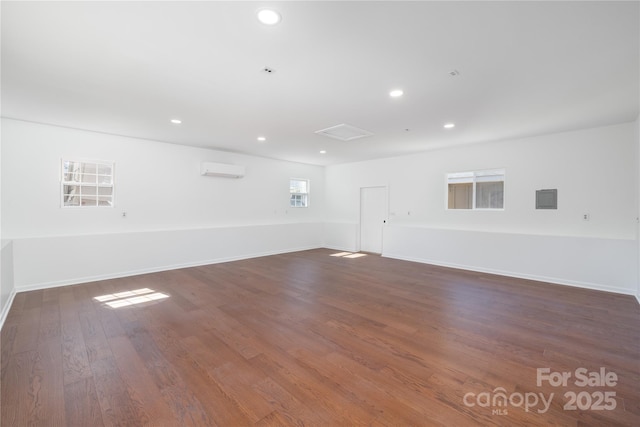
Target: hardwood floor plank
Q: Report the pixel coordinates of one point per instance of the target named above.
(316, 390)
(184, 404)
(287, 408)
(148, 403)
(280, 334)
(276, 419)
(231, 331)
(111, 325)
(19, 399)
(33, 300)
(222, 410)
(115, 403)
(48, 383)
(94, 337)
(28, 331)
(82, 407)
(75, 362)
(32, 386)
(404, 391)
(158, 367)
(50, 325)
(7, 338)
(236, 379)
(186, 407)
(372, 397)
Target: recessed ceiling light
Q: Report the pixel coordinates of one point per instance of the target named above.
(323, 151)
(396, 93)
(268, 16)
(449, 125)
(262, 138)
(176, 121)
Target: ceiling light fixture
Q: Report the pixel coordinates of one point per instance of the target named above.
(449, 125)
(323, 151)
(176, 121)
(396, 93)
(269, 16)
(262, 138)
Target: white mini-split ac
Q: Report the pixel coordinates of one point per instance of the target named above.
(222, 169)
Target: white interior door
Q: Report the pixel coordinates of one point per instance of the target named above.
(373, 216)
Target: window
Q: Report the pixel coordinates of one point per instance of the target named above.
(299, 190)
(87, 184)
(476, 190)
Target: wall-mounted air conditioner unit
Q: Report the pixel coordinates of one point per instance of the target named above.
(221, 169)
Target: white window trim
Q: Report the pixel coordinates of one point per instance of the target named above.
(97, 185)
(472, 178)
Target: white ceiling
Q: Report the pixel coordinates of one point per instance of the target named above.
(127, 68)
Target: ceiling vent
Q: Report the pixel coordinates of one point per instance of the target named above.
(344, 132)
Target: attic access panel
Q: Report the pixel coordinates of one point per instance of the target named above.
(547, 199)
(344, 132)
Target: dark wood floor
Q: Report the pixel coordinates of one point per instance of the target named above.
(318, 340)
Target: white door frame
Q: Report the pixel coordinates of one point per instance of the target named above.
(383, 215)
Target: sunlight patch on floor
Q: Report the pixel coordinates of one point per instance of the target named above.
(358, 255)
(126, 298)
(348, 255)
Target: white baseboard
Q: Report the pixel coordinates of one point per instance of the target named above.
(5, 310)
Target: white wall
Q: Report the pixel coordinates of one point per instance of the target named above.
(637, 127)
(594, 171)
(7, 289)
(166, 202)
(158, 185)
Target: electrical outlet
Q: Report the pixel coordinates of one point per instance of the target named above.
(586, 217)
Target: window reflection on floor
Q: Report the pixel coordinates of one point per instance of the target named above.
(348, 255)
(127, 298)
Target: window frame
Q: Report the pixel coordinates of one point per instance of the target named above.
(472, 178)
(97, 185)
(304, 196)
